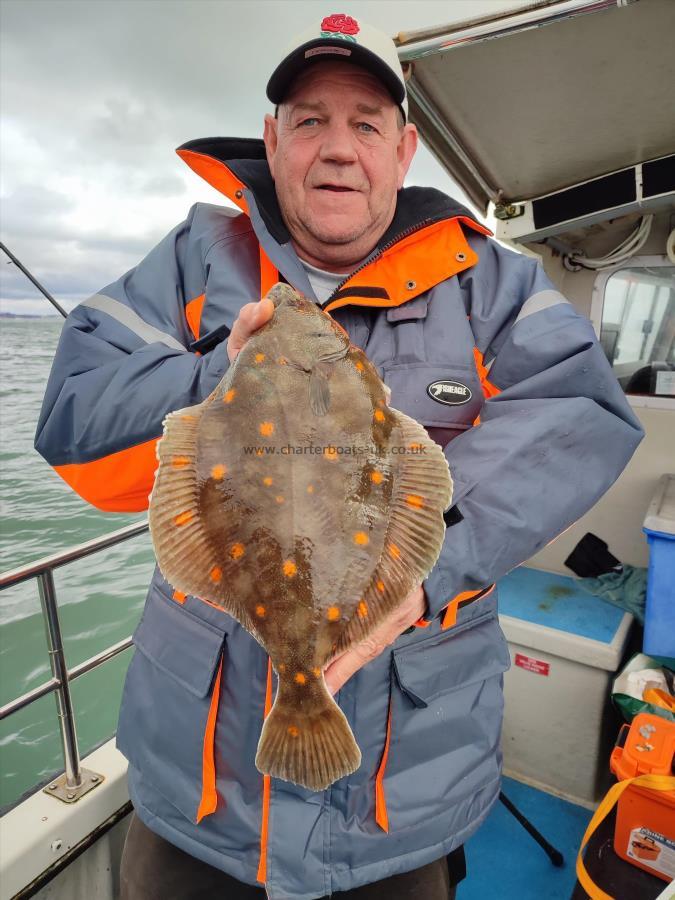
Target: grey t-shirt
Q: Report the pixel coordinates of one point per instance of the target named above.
(323, 283)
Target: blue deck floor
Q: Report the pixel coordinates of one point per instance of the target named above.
(505, 863)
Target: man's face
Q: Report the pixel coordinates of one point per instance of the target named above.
(338, 156)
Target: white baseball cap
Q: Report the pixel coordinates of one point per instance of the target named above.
(341, 37)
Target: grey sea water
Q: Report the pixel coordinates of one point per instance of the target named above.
(100, 597)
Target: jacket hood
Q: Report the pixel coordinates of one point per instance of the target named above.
(245, 159)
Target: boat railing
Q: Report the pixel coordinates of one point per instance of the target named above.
(75, 781)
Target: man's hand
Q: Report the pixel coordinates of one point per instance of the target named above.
(251, 317)
(342, 667)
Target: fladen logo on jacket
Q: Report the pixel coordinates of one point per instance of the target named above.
(452, 393)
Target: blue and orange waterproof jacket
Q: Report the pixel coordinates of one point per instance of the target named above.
(535, 429)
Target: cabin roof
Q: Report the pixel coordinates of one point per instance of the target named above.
(542, 109)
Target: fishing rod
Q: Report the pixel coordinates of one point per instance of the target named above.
(30, 277)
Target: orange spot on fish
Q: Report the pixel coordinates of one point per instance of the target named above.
(414, 500)
(360, 537)
(178, 462)
(359, 365)
(218, 471)
(279, 498)
(183, 518)
(380, 586)
(415, 447)
(362, 609)
(289, 568)
(259, 357)
(293, 730)
(259, 451)
(282, 667)
(188, 418)
(260, 611)
(317, 672)
(379, 415)
(179, 596)
(300, 678)
(333, 613)
(268, 480)
(376, 477)
(330, 453)
(237, 551)
(394, 552)
(228, 396)
(216, 574)
(266, 428)
(310, 488)
(282, 360)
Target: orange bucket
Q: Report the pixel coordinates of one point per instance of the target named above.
(645, 818)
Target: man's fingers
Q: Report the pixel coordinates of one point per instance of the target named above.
(344, 666)
(341, 668)
(251, 317)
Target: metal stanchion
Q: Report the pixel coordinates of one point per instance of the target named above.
(75, 781)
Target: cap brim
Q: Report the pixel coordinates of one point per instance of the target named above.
(296, 61)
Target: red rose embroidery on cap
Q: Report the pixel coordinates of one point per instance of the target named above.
(338, 23)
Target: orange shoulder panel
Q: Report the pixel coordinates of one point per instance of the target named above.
(120, 482)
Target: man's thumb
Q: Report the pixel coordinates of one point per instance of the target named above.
(263, 312)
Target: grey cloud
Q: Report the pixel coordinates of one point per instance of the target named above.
(101, 93)
(30, 210)
(162, 185)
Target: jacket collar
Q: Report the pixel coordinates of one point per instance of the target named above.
(237, 167)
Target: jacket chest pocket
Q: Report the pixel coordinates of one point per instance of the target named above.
(166, 721)
(446, 714)
(446, 398)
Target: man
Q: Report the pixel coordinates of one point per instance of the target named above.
(531, 444)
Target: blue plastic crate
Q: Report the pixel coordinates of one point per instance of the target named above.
(659, 639)
(660, 612)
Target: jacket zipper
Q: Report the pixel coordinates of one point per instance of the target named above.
(399, 237)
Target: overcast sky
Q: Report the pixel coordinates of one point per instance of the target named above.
(95, 96)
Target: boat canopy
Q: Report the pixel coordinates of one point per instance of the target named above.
(545, 96)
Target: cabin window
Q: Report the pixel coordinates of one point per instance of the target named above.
(637, 331)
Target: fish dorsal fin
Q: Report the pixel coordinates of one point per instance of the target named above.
(184, 552)
(414, 537)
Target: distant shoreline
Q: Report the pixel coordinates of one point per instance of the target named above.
(8, 315)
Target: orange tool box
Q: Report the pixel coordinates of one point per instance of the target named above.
(645, 818)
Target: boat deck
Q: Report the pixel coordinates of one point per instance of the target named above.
(503, 861)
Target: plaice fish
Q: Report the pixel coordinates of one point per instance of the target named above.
(308, 509)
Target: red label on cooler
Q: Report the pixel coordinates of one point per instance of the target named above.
(538, 666)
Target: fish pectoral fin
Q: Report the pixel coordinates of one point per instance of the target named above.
(319, 388)
(334, 356)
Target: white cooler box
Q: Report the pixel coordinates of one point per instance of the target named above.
(565, 647)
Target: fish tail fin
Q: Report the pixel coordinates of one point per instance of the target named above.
(312, 747)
